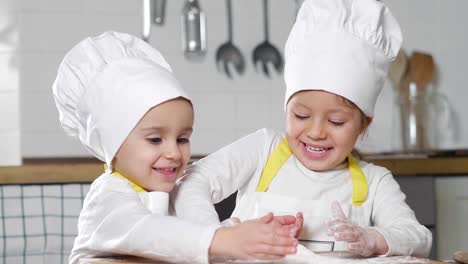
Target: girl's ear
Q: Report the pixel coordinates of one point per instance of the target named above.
(369, 121)
(366, 124)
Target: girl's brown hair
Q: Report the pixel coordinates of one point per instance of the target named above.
(364, 118)
(364, 123)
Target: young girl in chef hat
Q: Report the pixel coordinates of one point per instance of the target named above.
(336, 60)
(119, 97)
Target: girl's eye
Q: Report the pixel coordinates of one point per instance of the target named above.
(183, 140)
(337, 123)
(155, 140)
(300, 117)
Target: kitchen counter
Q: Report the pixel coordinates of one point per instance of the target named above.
(78, 170)
(331, 258)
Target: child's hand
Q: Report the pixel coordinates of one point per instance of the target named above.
(299, 224)
(361, 241)
(288, 220)
(263, 238)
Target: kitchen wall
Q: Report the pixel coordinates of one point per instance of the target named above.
(436, 27)
(34, 36)
(10, 148)
(48, 29)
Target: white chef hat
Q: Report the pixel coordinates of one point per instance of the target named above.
(106, 84)
(343, 47)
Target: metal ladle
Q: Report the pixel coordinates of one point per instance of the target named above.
(265, 53)
(159, 10)
(298, 5)
(146, 30)
(228, 54)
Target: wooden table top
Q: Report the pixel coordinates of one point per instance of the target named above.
(85, 170)
(135, 260)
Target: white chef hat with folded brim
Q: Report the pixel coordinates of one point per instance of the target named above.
(342, 47)
(106, 84)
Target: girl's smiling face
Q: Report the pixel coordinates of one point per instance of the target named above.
(157, 150)
(322, 128)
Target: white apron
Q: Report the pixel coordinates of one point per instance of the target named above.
(316, 212)
(155, 202)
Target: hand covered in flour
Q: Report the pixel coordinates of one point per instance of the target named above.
(289, 220)
(285, 220)
(362, 241)
(263, 238)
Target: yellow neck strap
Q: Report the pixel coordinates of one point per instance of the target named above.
(135, 186)
(282, 153)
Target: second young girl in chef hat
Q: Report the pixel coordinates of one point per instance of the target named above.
(336, 60)
(119, 97)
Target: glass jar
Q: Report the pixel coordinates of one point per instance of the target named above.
(425, 118)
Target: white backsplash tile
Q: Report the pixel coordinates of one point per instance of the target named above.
(113, 7)
(9, 111)
(9, 72)
(51, 145)
(9, 29)
(43, 117)
(10, 154)
(214, 111)
(54, 31)
(40, 69)
(65, 6)
(252, 111)
(205, 141)
(95, 24)
(9, 5)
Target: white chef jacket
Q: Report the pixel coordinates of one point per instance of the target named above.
(116, 220)
(238, 167)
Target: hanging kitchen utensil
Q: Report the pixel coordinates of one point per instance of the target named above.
(298, 6)
(265, 53)
(398, 69)
(193, 31)
(228, 55)
(159, 11)
(422, 69)
(146, 30)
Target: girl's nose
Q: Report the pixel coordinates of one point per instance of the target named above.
(317, 131)
(171, 151)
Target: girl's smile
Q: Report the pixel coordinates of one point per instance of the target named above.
(322, 128)
(168, 173)
(315, 151)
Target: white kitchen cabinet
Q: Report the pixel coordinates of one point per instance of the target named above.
(452, 215)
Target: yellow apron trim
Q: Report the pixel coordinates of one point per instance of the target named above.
(135, 186)
(282, 153)
(276, 160)
(359, 182)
